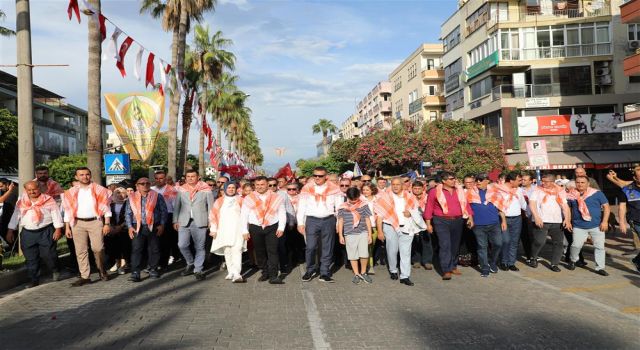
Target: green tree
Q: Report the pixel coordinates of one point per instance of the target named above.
(63, 168)
(344, 149)
(8, 141)
(305, 166)
(324, 127)
(4, 31)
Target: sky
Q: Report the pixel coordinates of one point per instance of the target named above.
(298, 60)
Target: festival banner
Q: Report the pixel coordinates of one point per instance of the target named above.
(137, 118)
(567, 124)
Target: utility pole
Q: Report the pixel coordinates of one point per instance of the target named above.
(25, 93)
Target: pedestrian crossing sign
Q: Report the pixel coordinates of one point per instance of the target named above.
(117, 164)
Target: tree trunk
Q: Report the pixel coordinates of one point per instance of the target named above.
(325, 142)
(201, 138)
(26, 150)
(174, 106)
(94, 139)
(187, 117)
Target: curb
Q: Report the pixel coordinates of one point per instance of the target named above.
(15, 278)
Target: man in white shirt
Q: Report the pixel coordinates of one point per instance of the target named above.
(513, 212)
(41, 222)
(319, 201)
(85, 205)
(550, 213)
(263, 217)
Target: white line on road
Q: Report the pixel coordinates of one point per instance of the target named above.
(313, 316)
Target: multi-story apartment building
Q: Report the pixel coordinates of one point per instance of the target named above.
(542, 70)
(349, 128)
(630, 15)
(59, 128)
(418, 86)
(374, 110)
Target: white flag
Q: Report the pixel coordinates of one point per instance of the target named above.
(138, 65)
(113, 44)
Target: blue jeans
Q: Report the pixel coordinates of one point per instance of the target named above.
(198, 235)
(486, 234)
(510, 240)
(398, 241)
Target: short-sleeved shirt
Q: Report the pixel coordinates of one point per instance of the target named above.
(484, 214)
(594, 204)
(632, 193)
(348, 228)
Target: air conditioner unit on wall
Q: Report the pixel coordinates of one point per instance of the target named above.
(634, 44)
(602, 71)
(604, 80)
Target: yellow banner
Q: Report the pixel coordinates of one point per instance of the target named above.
(137, 118)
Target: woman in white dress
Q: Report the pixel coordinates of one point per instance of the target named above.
(228, 240)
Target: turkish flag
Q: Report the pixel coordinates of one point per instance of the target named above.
(285, 172)
(73, 7)
(123, 52)
(149, 76)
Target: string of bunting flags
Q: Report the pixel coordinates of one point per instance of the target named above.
(113, 51)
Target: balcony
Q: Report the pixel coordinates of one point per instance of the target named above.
(541, 53)
(385, 106)
(437, 100)
(632, 112)
(630, 11)
(433, 74)
(630, 132)
(415, 106)
(538, 90)
(560, 10)
(631, 65)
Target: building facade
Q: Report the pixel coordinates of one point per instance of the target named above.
(417, 85)
(542, 70)
(349, 128)
(59, 128)
(374, 110)
(630, 15)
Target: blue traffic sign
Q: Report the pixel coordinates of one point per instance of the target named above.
(117, 164)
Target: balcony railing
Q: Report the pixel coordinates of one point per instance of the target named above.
(415, 106)
(537, 90)
(593, 8)
(555, 52)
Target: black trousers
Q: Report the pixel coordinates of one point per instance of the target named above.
(540, 239)
(169, 242)
(37, 244)
(151, 241)
(265, 245)
(117, 245)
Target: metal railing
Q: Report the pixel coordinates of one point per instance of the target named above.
(536, 90)
(602, 8)
(555, 52)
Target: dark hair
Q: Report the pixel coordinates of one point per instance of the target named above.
(320, 168)
(260, 178)
(271, 179)
(82, 168)
(42, 168)
(374, 188)
(248, 184)
(353, 193)
(482, 177)
(469, 176)
(529, 174)
(4, 180)
(512, 175)
(159, 172)
(356, 178)
(189, 171)
(418, 183)
(545, 175)
(445, 174)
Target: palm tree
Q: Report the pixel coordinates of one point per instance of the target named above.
(94, 109)
(176, 16)
(326, 127)
(4, 31)
(191, 81)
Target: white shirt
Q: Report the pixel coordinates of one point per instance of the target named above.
(517, 204)
(550, 212)
(249, 217)
(86, 204)
(528, 192)
(28, 221)
(308, 206)
(399, 203)
(168, 203)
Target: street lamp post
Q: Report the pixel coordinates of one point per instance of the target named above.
(25, 92)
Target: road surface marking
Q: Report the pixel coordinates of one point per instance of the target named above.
(596, 288)
(313, 316)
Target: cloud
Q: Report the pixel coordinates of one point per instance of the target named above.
(312, 49)
(241, 4)
(375, 69)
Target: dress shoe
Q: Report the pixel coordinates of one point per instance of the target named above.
(238, 279)
(456, 272)
(135, 277)
(199, 276)
(187, 271)
(446, 276)
(263, 277)
(602, 273)
(393, 275)
(581, 263)
(503, 267)
(427, 267)
(555, 268)
(406, 281)
(104, 276)
(571, 266)
(80, 282)
(513, 268)
(534, 263)
(154, 274)
(277, 280)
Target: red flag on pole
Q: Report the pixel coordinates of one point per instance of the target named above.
(149, 76)
(122, 53)
(285, 172)
(73, 8)
(103, 27)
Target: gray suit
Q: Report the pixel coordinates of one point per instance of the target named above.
(193, 218)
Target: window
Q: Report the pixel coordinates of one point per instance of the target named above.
(412, 71)
(499, 11)
(587, 34)
(481, 88)
(433, 115)
(477, 19)
(430, 64)
(397, 83)
(634, 79)
(452, 39)
(452, 75)
(431, 90)
(634, 31)
(562, 81)
(483, 50)
(455, 101)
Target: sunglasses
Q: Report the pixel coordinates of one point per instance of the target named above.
(366, 181)
(292, 189)
(318, 176)
(219, 182)
(273, 185)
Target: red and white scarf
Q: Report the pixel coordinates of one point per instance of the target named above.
(442, 200)
(100, 197)
(53, 188)
(193, 190)
(501, 195)
(45, 201)
(266, 211)
(310, 190)
(135, 202)
(386, 209)
(353, 209)
(214, 213)
(170, 193)
(581, 199)
(557, 191)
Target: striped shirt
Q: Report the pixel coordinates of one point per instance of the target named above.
(348, 228)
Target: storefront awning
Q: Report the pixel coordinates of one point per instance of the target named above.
(557, 160)
(614, 159)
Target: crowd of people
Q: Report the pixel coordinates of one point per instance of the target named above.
(324, 221)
